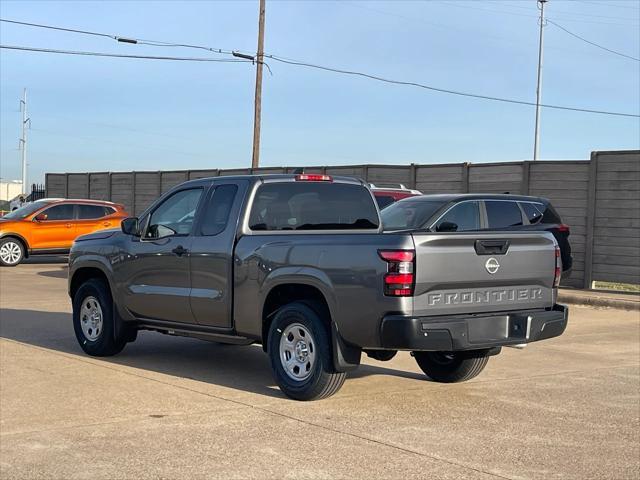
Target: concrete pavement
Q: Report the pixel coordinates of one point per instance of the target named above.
(170, 407)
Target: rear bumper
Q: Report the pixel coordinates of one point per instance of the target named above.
(471, 332)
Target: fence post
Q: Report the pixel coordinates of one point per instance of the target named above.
(66, 185)
(133, 196)
(465, 177)
(88, 185)
(413, 172)
(109, 189)
(526, 170)
(365, 172)
(591, 220)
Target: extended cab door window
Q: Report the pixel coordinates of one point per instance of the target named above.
(462, 217)
(503, 214)
(175, 215)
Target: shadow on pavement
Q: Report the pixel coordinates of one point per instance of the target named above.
(61, 272)
(239, 367)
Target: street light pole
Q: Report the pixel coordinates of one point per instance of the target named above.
(257, 110)
(23, 140)
(536, 142)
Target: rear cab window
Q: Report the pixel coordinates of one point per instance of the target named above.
(297, 206)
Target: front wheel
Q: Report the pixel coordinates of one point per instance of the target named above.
(451, 367)
(299, 348)
(93, 320)
(11, 252)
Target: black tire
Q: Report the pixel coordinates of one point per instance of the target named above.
(451, 367)
(322, 381)
(11, 252)
(381, 355)
(105, 343)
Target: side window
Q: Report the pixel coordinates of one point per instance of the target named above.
(216, 214)
(384, 201)
(503, 214)
(463, 217)
(86, 212)
(532, 212)
(175, 215)
(60, 212)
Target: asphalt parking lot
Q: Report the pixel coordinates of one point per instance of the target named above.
(180, 408)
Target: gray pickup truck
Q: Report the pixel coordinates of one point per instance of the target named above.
(300, 264)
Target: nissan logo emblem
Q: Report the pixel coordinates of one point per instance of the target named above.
(492, 265)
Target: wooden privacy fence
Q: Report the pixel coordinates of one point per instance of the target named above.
(598, 198)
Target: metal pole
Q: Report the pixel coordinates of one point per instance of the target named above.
(257, 111)
(23, 140)
(536, 144)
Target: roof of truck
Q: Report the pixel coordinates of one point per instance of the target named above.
(274, 176)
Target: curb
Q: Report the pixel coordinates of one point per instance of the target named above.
(598, 301)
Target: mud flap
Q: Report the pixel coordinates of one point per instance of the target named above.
(346, 357)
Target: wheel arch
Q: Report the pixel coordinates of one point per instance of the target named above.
(345, 357)
(20, 238)
(83, 274)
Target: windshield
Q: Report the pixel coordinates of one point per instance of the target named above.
(25, 210)
(405, 214)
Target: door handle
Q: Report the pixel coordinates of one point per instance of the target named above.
(106, 224)
(68, 225)
(180, 250)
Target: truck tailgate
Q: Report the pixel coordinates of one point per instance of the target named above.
(476, 272)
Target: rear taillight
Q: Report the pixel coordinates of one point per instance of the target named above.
(313, 177)
(399, 280)
(562, 228)
(558, 271)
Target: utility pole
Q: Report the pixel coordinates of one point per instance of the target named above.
(23, 140)
(257, 109)
(536, 142)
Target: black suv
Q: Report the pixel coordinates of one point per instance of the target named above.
(470, 212)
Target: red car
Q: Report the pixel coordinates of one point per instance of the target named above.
(386, 195)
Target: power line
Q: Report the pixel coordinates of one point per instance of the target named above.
(609, 4)
(443, 90)
(288, 61)
(532, 15)
(119, 55)
(121, 39)
(592, 43)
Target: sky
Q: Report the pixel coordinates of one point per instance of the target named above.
(113, 114)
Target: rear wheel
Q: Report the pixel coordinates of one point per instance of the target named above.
(451, 367)
(299, 348)
(93, 320)
(11, 252)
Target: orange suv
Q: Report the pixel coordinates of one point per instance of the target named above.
(49, 226)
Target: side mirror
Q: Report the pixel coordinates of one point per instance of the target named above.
(130, 226)
(447, 227)
(41, 217)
